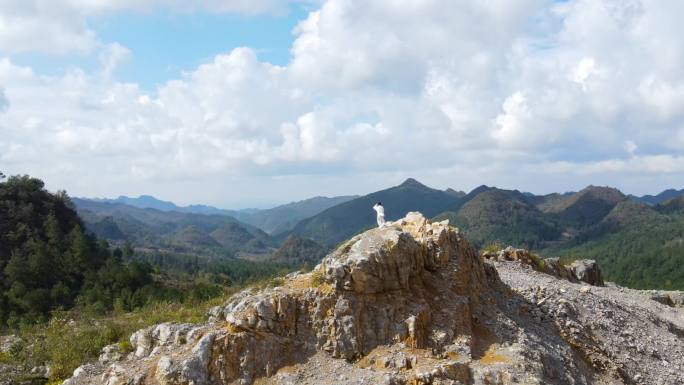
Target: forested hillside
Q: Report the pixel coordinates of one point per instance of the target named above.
(503, 216)
(48, 261)
(214, 235)
(637, 245)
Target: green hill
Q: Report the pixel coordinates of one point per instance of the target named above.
(47, 261)
(501, 216)
(586, 207)
(675, 205)
(635, 245)
(659, 198)
(284, 217)
(193, 235)
(209, 235)
(296, 251)
(344, 220)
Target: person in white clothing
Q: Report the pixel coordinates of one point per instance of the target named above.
(381, 213)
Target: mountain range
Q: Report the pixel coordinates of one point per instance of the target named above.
(659, 198)
(173, 231)
(641, 237)
(278, 219)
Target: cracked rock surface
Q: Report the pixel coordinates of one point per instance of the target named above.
(413, 303)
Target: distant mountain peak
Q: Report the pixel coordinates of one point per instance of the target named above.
(480, 189)
(413, 183)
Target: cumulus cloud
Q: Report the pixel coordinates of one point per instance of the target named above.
(38, 26)
(455, 93)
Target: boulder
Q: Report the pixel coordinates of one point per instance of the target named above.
(588, 271)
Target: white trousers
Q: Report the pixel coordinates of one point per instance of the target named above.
(381, 220)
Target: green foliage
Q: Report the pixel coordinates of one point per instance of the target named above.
(125, 346)
(644, 253)
(492, 247)
(538, 261)
(65, 346)
(48, 262)
(226, 271)
(71, 338)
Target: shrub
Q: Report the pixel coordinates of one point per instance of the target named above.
(492, 248)
(317, 278)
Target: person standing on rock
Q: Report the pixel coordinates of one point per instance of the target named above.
(381, 213)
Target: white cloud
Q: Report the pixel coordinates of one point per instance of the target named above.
(585, 69)
(456, 93)
(112, 57)
(514, 121)
(30, 26)
(62, 26)
(4, 102)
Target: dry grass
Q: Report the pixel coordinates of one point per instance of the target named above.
(491, 357)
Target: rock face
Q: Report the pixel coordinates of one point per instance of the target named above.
(413, 303)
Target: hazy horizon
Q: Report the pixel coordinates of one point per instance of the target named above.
(274, 204)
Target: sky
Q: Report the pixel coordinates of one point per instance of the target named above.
(251, 103)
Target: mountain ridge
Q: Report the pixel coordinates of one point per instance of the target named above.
(272, 220)
(337, 223)
(173, 230)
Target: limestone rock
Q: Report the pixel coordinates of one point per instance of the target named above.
(110, 353)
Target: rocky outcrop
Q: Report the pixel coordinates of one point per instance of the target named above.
(408, 303)
(581, 270)
(669, 298)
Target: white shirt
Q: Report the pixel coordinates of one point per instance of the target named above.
(380, 210)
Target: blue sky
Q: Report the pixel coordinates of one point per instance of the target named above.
(166, 43)
(240, 103)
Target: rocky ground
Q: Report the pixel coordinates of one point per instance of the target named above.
(412, 303)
